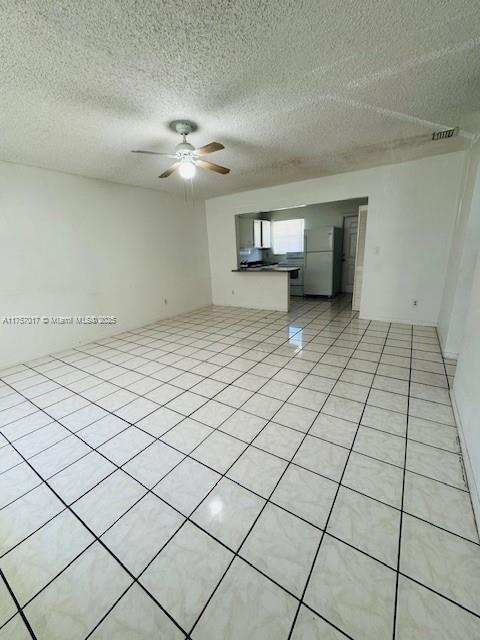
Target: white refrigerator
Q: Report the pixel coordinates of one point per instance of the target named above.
(323, 261)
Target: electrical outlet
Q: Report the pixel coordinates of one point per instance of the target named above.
(414, 303)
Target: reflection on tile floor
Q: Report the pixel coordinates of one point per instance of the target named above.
(234, 473)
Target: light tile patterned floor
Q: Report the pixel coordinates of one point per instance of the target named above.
(231, 474)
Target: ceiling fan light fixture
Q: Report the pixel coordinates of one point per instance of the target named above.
(187, 157)
(187, 169)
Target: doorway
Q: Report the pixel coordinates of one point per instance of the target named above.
(350, 230)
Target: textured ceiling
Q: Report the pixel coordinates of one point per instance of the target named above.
(293, 88)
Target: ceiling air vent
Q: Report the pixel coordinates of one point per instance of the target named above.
(448, 133)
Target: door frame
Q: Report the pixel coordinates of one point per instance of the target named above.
(348, 215)
(359, 278)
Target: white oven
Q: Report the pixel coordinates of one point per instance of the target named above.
(296, 278)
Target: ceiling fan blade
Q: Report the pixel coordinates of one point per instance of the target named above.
(209, 148)
(170, 170)
(204, 164)
(153, 153)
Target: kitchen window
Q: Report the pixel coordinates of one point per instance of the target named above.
(287, 236)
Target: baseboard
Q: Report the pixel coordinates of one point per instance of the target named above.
(248, 305)
(259, 307)
(84, 340)
(420, 323)
(471, 482)
(448, 355)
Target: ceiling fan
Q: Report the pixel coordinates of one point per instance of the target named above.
(187, 157)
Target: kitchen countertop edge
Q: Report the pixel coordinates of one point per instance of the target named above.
(267, 270)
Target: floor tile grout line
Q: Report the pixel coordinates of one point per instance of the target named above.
(209, 398)
(258, 570)
(183, 390)
(128, 423)
(54, 444)
(103, 381)
(17, 606)
(244, 356)
(166, 353)
(100, 343)
(433, 351)
(187, 519)
(102, 543)
(357, 549)
(216, 353)
(73, 393)
(297, 385)
(441, 595)
(74, 433)
(12, 406)
(119, 468)
(65, 568)
(111, 608)
(55, 420)
(33, 430)
(223, 475)
(150, 490)
(319, 615)
(256, 519)
(38, 384)
(95, 449)
(183, 453)
(330, 512)
(148, 445)
(132, 424)
(287, 591)
(397, 579)
(120, 388)
(30, 535)
(235, 552)
(396, 435)
(183, 372)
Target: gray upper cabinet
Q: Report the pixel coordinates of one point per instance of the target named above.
(245, 232)
(254, 233)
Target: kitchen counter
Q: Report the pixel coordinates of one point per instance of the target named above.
(268, 269)
(268, 289)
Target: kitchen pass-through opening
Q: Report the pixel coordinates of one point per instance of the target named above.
(324, 241)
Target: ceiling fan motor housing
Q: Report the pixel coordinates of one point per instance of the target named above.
(184, 149)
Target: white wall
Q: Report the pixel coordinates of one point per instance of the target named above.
(411, 212)
(319, 215)
(75, 246)
(463, 255)
(466, 391)
(461, 322)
